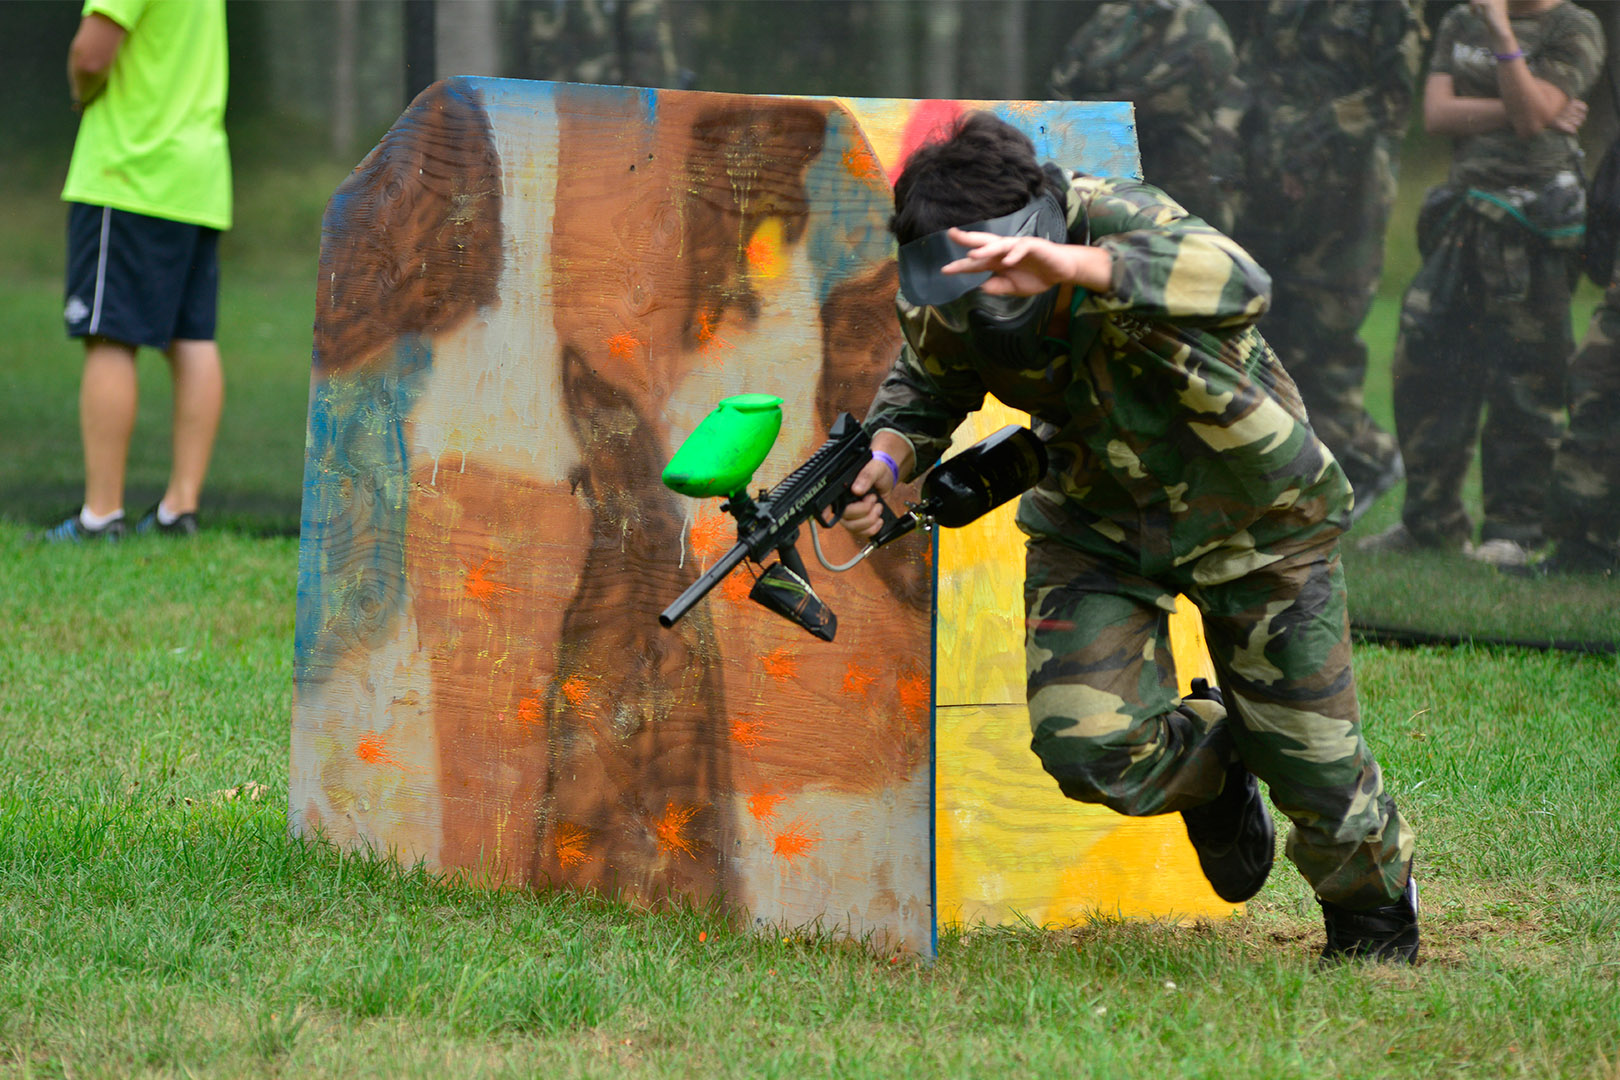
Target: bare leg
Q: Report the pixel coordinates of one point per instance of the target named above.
(199, 396)
(107, 398)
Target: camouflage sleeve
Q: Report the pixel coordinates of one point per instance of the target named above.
(1445, 41)
(1168, 265)
(1346, 127)
(1571, 58)
(926, 395)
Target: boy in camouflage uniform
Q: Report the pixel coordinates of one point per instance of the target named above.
(1331, 84)
(1485, 324)
(1174, 60)
(1180, 462)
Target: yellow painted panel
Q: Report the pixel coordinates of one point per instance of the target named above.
(1009, 845)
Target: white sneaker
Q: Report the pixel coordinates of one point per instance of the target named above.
(1501, 553)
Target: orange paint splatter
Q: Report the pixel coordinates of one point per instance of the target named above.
(748, 732)
(761, 251)
(528, 711)
(794, 841)
(780, 663)
(860, 163)
(624, 345)
(711, 536)
(914, 696)
(671, 830)
(373, 750)
(703, 935)
(857, 680)
(708, 336)
(570, 844)
(576, 690)
(480, 588)
(737, 585)
(762, 804)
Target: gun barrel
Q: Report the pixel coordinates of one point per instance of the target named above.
(700, 588)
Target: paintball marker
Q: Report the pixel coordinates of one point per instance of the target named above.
(720, 456)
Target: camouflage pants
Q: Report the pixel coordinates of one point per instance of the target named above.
(1324, 255)
(1484, 327)
(1109, 726)
(1584, 507)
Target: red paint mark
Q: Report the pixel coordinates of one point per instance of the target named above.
(703, 935)
(624, 345)
(858, 680)
(780, 663)
(373, 750)
(708, 335)
(914, 695)
(795, 841)
(671, 830)
(709, 536)
(748, 732)
(862, 164)
(528, 711)
(570, 844)
(478, 585)
(762, 804)
(928, 555)
(1049, 624)
(930, 120)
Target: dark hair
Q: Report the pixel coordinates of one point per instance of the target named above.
(982, 169)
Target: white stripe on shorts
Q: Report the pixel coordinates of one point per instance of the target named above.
(101, 270)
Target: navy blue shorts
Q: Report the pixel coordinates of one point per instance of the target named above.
(140, 280)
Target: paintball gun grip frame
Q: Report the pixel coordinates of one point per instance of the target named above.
(772, 522)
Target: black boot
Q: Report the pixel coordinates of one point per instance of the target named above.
(1232, 833)
(1388, 933)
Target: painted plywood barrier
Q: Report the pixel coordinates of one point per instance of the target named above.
(528, 294)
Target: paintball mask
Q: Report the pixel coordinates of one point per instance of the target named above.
(1005, 329)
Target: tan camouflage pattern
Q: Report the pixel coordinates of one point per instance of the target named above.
(618, 42)
(1180, 462)
(1563, 46)
(1332, 84)
(1174, 60)
(1485, 324)
(1584, 509)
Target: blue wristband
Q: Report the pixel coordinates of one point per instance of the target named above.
(894, 466)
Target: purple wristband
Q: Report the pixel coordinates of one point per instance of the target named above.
(894, 466)
(1509, 57)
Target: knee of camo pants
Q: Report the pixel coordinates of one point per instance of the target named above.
(1106, 720)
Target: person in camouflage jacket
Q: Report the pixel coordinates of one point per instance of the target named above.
(1180, 462)
(1485, 325)
(1330, 86)
(1174, 60)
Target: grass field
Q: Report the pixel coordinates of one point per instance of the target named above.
(157, 920)
(151, 924)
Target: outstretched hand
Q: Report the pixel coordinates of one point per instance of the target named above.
(1018, 265)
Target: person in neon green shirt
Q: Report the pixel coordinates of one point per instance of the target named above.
(149, 191)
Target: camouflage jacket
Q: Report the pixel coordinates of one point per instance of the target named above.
(1328, 80)
(1563, 46)
(1177, 444)
(1174, 60)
